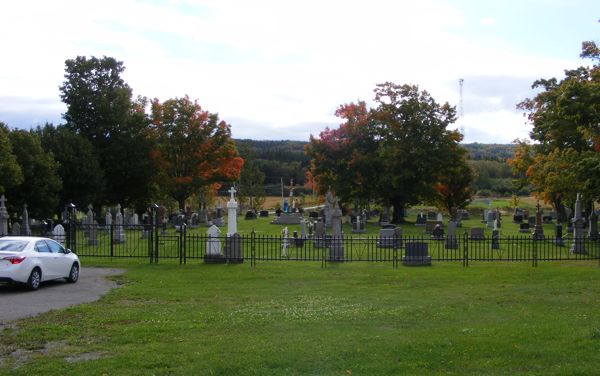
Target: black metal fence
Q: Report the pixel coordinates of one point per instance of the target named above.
(187, 244)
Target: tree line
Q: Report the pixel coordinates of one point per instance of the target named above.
(114, 148)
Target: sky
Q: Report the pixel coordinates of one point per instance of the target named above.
(276, 69)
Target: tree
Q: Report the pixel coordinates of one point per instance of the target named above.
(345, 158)
(10, 171)
(252, 180)
(78, 165)
(453, 186)
(193, 148)
(565, 116)
(100, 108)
(415, 145)
(41, 184)
(399, 153)
(98, 100)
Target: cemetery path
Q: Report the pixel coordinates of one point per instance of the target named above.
(16, 302)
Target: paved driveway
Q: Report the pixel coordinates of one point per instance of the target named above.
(16, 302)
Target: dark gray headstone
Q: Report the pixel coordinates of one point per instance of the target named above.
(233, 249)
(416, 254)
(477, 233)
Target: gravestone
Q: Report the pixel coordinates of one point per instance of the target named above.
(593, 226)
(525, 213)
(93, 233)
(313, 215)
(421, 219)
(263, 213)
(320, 238)
(3, 217)
(58, 234)
(498, 223)
(250, 215)
(213, 253)
(531, 221)
(358, 226)
(578, 246)
(329, 206)
(384, 218)
(438, 232)
(390, 238)
(107, 220)
(233, 249)
(25, 229)
(451, 241)
(416, 254)
(219, 221)
(311, 228)
(232, 206)
(538, 231)
(118, 230)
(16, 229)
(430, 225)
(495, 239)
(477, 233)
(178, 222)
(558, 234)
(285, 241)
(336, 247)
(440, 217)
(463, 214)
(431, 216)
(490, 218)
(524, 227)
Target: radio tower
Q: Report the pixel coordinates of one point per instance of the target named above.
(461, 112)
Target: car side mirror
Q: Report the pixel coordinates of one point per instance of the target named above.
(67, 251)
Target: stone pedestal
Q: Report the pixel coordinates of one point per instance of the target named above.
(578, 246)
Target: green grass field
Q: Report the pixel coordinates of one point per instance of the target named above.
(299, 318)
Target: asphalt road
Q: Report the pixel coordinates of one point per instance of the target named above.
(16, 302)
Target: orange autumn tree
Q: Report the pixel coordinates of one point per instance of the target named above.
(194, 149)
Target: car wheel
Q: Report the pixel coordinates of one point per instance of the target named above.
(34, 280)
(73, 274)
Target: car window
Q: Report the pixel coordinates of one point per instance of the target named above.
(41, 246)
(55, 247)
(7, 245)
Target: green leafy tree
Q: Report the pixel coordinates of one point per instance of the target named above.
(415, 144)
(100, 108)
(252, 180)
(565, 116)
(78, 165)
(41, 184)
(10, 171)
(193, 148)
(399, 153)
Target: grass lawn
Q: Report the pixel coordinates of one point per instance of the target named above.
(297, 318)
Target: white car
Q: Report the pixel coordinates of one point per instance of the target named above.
(32, 260)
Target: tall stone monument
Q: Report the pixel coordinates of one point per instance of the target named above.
(3, 217)
(538, 230)
(336, 248)
(232, 214)
(578, 247)
(25, 229)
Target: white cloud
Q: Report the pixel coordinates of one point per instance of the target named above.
(276, 65)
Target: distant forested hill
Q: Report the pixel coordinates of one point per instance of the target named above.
(489, 152)
(277, 160)
(286, 160)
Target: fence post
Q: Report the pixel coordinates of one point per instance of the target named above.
(534, 258)
(395, 250)
(110, 235)
(253, 249)
(465, 250)
(182, 239)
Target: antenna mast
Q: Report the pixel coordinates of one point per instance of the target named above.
(461, 111)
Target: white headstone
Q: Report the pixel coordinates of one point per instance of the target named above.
(213, 244)
(58, 234)
(284, 241)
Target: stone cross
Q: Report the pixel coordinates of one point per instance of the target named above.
(232, 191)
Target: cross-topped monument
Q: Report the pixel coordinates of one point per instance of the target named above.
(232, 213)
(232, 191)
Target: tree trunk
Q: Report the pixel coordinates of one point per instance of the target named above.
(399, 212)
(561, 213)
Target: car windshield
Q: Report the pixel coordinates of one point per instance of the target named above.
(7, 245)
